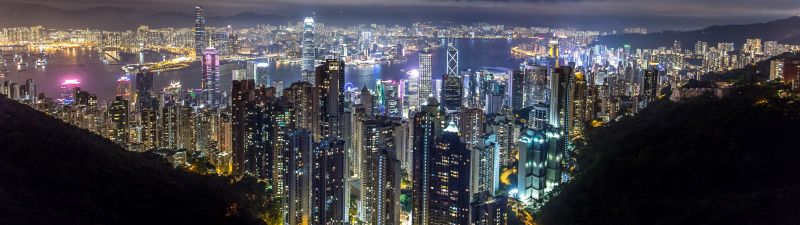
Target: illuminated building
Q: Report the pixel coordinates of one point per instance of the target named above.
(379, 136)
(303, 96)
(531, 167)
(118, 112)
(199, 32)
(330, 81)
(449, 200)
(309, 51)
(650, 86)
(299, 178)
(425, 78)
(561, 108)
(331, 188)
(241, 97)
(517, 89)
(124, 87)
(485, 168)
(490, 210)
(428, 125)
(144, 91)
(452, 92)
(470, 123)
(452, 59)
(210, 78)
(68, 89)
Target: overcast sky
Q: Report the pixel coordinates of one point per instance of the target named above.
(683, 12)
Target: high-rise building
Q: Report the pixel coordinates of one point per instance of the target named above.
(485, 167)
(425, 77)
(452, 92)
(124, 87)
(452, 59)
(298, 178)
(304, 98)
(309, 51)
(330, 82)
(490, 210)
(517, 90)
(144, 91)
(531, 168)
(199, 32)
(241, 95)
(210, 78)
(428, 125)
(380, 135)
(118, 112)
(561, 108)
(331, 188)
(650, 86)
(449, 199)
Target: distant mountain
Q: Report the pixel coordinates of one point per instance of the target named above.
(115, 18)
(785, 31)
(54, 173)
(702, 161)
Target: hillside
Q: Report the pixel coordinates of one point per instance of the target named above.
(785, 31)
(704, 161)
(53, 173)
(751, 73)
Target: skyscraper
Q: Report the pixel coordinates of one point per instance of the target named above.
(452, 59)
(449, 200)
(210, 80)
(144, 90)
(331, 189)
(330, 81)
(452, 92)
(241, 93)
(425, 77)
(532, 168)
(119, 119)
(199, 32)
(427, 127)
(379, 136)
(124, 87)
(298, 178)
(309, 54)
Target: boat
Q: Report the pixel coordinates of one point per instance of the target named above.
(41, 62)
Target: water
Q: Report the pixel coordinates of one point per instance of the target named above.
(99, 78)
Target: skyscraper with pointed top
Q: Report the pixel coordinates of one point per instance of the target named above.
(452, 59)
(308, 51)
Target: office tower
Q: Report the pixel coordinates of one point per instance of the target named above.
(28, 92)
(531, 167)
(538, 116)
(425, 77)
(470, 123)
(68, 89)
(258, 72)
(650, 86)
(428, 125)
(304, 98)
(330, 81)
(485, 168)
(452, 59)
(199, 32)
(490, 210)
(392, 98)
(450, 174)
(210, 78)
(535, 87)
(553, 51)
(144, 91)
(331, 188)
(452, 92)
(124, 87)
(241, 95)
(411, 102)
(299, 178)
(517, 90)
(309, 54)
(118, 112)
(379, 135)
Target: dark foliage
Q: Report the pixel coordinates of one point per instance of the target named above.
(54, 173)
(704, 161)
(785, 31)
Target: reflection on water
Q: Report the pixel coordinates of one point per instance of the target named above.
(99, 78)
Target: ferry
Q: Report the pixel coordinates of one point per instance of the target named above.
(41, 62)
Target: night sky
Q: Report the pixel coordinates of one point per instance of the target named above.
(656, 14)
